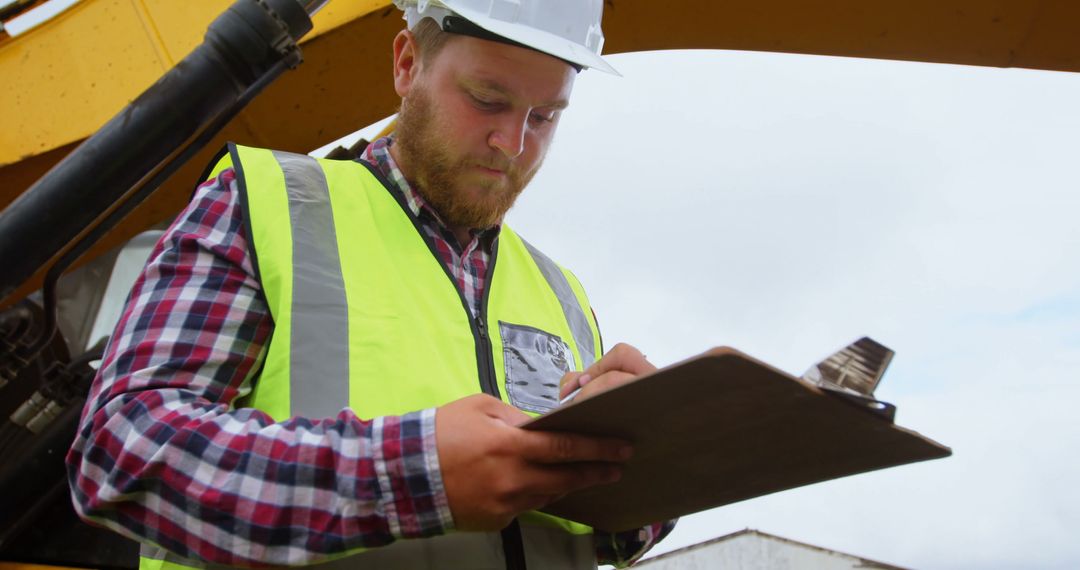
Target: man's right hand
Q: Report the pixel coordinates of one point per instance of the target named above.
(493, 470)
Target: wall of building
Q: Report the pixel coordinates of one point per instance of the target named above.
(751, 550)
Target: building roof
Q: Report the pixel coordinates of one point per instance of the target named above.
(864, 562)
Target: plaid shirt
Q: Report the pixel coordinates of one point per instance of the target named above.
(162, 456)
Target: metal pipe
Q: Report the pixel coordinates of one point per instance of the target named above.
(312, 7)
(240, 46)
(146, 187)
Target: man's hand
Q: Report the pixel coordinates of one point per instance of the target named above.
(494, 470)
(620, 365)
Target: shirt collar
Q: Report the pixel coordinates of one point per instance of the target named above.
(378, 154)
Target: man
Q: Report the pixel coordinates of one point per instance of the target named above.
(296, 376)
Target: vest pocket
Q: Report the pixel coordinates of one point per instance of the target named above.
(534, 362)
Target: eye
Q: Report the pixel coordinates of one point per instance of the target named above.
(541, 118)
(485, 104)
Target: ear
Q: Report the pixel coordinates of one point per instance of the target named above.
(406, 62)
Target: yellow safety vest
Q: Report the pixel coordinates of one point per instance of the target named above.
(367, 316)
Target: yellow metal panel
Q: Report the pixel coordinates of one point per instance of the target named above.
(181, 25)
(65, 78)
(337, 13)
(178, 27)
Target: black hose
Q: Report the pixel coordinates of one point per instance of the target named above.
(146, 188)
(15, 324)
(16, 321)
(29, 351)
(84, 360)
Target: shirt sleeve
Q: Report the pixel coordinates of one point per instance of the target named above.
(162, 454)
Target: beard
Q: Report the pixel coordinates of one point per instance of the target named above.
(451, 184)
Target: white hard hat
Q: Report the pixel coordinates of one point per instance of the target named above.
(566, 29)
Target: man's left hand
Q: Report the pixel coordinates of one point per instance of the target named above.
(622, 364)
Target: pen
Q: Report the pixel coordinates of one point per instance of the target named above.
(569, 397)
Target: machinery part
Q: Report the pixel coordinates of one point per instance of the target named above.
(61, 385)
(29, 408)
(40, 432)
(15, 324)
(28, 384)
(245, 49)
(252, 39)
(40, 413)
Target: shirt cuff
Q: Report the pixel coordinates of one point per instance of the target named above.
(410, 481)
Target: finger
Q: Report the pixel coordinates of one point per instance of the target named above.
(622, 357)
(560, 447)
(605, 382)
(580, 380)
(533, 502)
(568, 383)
(549, 482)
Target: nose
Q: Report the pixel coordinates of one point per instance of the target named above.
(508, 136)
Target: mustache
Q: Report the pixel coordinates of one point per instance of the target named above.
(495, 163)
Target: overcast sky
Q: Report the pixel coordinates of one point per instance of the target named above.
(786, 205)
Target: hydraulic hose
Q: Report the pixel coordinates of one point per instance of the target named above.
(15, 323)
(252, 38)
(142, 191)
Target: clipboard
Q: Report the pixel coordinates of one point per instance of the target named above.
(720, 428)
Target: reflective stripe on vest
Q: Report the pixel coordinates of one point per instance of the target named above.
(367, 316)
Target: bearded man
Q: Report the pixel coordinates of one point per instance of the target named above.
(327, 362)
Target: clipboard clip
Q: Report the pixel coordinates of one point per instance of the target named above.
(883, 410)
(852, 374)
